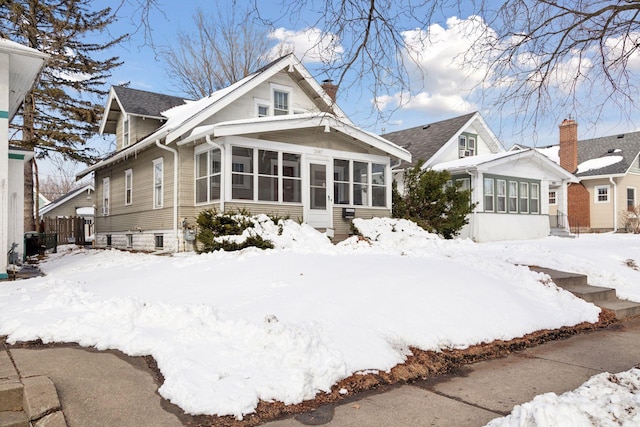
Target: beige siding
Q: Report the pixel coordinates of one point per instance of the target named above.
(139, 127)
(603, 215)
(342, 227)
(82, 200)
(140, 214)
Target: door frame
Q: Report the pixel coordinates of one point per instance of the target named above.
(315, 219)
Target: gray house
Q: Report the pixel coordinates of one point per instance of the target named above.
(274, 142)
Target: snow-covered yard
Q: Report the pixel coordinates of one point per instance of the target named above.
(230, 329)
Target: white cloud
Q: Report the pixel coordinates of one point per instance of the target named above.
(311, 45)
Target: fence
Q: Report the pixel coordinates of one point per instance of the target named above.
(68, 230)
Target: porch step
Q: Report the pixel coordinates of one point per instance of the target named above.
(559, 232)
(13, 419)
(600, 296)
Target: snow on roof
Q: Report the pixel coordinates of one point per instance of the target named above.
(598, 163)
(552, 153)
(473, 161)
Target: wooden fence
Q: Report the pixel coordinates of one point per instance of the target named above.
(69, 229)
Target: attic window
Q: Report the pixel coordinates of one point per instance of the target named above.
(125, 132)
(280, 99)
(467, 145)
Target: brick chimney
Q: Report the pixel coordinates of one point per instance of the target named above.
(569, 145)
(330, 89)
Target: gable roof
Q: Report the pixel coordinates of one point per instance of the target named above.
(424, 142)
(626, 146)
(125, 100)
(191, 115)
(486, 161)
(65, 198)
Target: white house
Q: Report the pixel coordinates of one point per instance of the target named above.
(19, 67)
(510, 188)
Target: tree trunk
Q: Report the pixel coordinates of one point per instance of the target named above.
(28, 112)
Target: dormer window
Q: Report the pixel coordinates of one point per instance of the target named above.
(467, 145)
(125, 132)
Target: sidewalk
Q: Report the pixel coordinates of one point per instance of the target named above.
(109, 389)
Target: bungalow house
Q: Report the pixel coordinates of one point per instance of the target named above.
(507, 186)
(608, 170)
(19, 68)
(71, 215)
(274, 142)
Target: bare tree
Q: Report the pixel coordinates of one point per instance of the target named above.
(539, 56)
(61, 179)
(225, 48)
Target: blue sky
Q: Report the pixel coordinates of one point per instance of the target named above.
(444, 90)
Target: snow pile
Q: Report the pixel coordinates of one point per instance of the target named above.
(599, 163)
(604, 400)
(231, 328)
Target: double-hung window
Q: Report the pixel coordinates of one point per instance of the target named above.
(513, 196)
(535, 198)
(126, 131)
(631, 198)
(208, 172)
(524, 197)
(128, 187)
(105, 196)
(158, 183)
(488, 195)
(601, 194)
(467, 145)
(501, 199)
(280, 102)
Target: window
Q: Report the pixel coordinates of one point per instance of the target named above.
(280, 103)
(524, 197)
(341, 182)
(129, 240)
(157, 183)
(263, 110)
(553, 197)
(208, 173)
(501, 200)
(291, 178)
(513, 196)
(126, 140)
(158, 241)
(360, 183)
(268, 172)
(242, 173)
(631, 198)
(467, 145)
(105, 196)
(128, 187)
(378, 186)
(535, 198)
(488, 194)
(108, 239)
(601, 193)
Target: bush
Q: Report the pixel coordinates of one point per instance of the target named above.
(213, 227)
(432, 201)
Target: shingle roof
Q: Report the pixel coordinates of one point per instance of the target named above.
(424, 141)
(625, 145)
(143, 103)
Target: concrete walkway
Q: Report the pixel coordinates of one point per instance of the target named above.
(110, 389)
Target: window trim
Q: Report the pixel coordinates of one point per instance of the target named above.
(526, 197)
(513, 196)
(158, 204)
(262, 103)
(128, 187)
(274, 87)
(555, 198)
(596, 194)
(492, 194)
(498, 196)
(535, 185)
(635, 198)
(208, 174)
(464, 144)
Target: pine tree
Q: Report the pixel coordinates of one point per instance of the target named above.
(59, 114)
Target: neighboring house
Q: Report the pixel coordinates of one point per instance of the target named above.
(274, 142)
(608, 170)
(19, 68)
(507, 186)
(77, 204)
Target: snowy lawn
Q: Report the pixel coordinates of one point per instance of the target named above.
(604, 400)
(230, 329)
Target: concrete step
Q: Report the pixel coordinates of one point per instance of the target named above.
(11, 395)
(559, 232)
(594, 294)
(621, 308)
(13, 419)
(563, 278)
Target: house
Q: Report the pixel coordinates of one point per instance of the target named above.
(274, 142)
(75, 207)
(19, 68)
(608, 170)
(507, 186)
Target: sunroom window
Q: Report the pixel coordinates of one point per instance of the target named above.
(242, 173)
(208, 173)
(360, 183)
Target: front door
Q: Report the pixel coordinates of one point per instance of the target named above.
(318, 209)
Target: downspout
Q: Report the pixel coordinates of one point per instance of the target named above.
(615, 203)
(175, 191)
(222, 171)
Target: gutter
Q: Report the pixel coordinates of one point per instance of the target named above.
(175, 190)
(223, 172)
